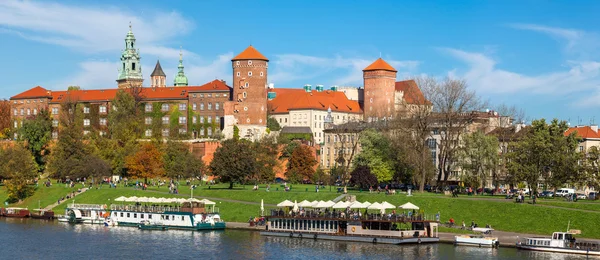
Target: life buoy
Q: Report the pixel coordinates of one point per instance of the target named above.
(419, 241)
(353, 229)
(374, 240)
(315, 236)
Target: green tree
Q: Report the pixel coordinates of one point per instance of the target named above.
(36, 133)
(302, 163)
(545, 153)
(272, 124)
(266, 158)
(377, 154)
(362, 176)
(17, 168)
(5, 119)
(233, 161)
(319, 176)
(478, 158)
(180, 162)
(236, 132)
(146, 163)
(590, 175)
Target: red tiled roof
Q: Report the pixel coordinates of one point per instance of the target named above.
(214, 85)
(250, 53)
(380, 64)
(412, 93)
(294, 99)
(584, 132)
(33, 93)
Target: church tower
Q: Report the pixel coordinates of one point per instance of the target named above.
(250, 88)
(180, 80)
(130, 73)
(379, 83)
(158, 78)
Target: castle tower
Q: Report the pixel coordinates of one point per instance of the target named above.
(180, 80)
(130, 73)
(158, 78)
(250, 88)
(379, 83)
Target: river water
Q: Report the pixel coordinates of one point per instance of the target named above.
(35, 239)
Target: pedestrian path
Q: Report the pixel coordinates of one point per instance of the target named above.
(339, 198)
(53, 205)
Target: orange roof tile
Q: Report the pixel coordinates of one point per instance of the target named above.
(250, 53)
(380, 64)
(584, 132)
(294, 99)
(412, 93)
(33, 93)
(215, 85)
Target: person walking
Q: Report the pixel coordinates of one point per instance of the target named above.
(463, 225)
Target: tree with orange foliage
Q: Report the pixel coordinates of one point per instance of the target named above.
(301, 164)
(146, 163)
(4, 118)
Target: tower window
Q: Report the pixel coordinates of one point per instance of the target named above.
(261, 74)
(250, 73)
(245, 95)
(132, 65)
(249, 62)
(238, 74)
(237, 62)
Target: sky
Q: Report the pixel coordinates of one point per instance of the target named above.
(541, 56)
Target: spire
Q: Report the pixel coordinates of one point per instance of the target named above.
(158, 71)
(180, 79)
(130, 69)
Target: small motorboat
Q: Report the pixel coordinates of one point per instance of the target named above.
(480, 240)
(147, 225)
(16, 213)
(560, 242)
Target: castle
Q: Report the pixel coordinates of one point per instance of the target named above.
(214, 109)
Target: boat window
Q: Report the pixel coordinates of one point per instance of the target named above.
(134, 215)
(182, 217)
(172, 217)
(127, 214)
(141, 215)
(560, 236)
(121, 214)
(555, 236)
(167, 217)
(149, 215)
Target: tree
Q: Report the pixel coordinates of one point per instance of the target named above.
(478, 158)
(236, 132)
(266, 158)
(272, 124)
(36, 133)
(17, 168)
(180, 162)
(590, 175)
(545, 153)
(362, 176)
(146, 163)
(302, 163)
(319, 176)
(233, 161)
(377, 154)
(5, 119)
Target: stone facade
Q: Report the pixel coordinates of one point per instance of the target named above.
(250, 91)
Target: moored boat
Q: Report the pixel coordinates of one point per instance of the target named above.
(560, 242)
(147, 225)
(16, 213)
(84, 214)
(42, 214)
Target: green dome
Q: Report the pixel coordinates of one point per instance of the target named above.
(180, 79)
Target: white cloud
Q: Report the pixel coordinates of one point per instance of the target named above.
(92, 75)
(90, 29)
(341, 70)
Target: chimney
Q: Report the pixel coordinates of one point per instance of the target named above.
(307, 88)
(594, 127)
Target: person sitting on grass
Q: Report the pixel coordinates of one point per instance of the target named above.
(451, 222)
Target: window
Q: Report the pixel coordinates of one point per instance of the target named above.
(54, 111)
(194, 95)
(217, 119)
(209, 106)
(54, 123)
(182, 131)
(201, 95)
(148, 120)
(165, 132)
(209, 119)
(194, 106)
(182, 119)
(431, 143)
(216, 106)
(238, 74)
(201, 106)
(245, 95)
(581, 148)
(132, 64)
(86, 110)
(28, 111)
(86, 122)
(237, 62)
(261, 74)
(182, 107)
(22, 112)
(148, 107)
(16, 124)
(245, 108)
(224, 95)
(35, 111)
(217, 95)
(194, 119)
(165, 107)
(201, 120)
(54, 135)
(148, 133)
(16, 112)
(165, 120)
(102, 121)
(209, 95)
(247, 85)
(102, 133)
(86, 132)
(103, 109)
(250, 73)
(201, 131)
(209, 131)
(249, 62)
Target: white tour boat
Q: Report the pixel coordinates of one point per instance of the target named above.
(560, 242)
(479, 240)
(84, 214)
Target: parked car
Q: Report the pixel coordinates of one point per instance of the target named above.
(581, 196)
(564, 192)
(546, 194)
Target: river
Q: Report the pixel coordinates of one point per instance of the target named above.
(35, 239)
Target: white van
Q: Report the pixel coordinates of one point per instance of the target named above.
(564, 192)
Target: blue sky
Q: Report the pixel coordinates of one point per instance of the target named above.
(541, 56)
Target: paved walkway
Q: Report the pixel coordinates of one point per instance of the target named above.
(51, 206)
(339, 198)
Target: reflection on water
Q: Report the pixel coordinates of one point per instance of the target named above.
(35, 239)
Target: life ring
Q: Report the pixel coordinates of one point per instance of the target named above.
(315, 236)
(291, 234)
(300, 236)
(374, 240)
(353, 229)
(419, 241)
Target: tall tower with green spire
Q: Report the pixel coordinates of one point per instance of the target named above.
(130, 72)
(180, 79)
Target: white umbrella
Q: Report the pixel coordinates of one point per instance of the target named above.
(208, 202)
(192, 200)
(314, 203)
(122, 198)
(329, 203)
(366, 204)
(375, 205)
(143, 199)
(408, 205)
(131, 199)
(322, 204)
(341, 205)
(305, 204)
(262, 208)
(285, 203)
(357, 205)
(295, 209)
(387, 205)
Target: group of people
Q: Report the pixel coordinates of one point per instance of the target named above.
(388, 191)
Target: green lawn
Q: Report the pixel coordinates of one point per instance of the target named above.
(574, 205)
(43, 196)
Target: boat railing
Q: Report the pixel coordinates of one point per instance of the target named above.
(154, 208)
(86, 206)
(350, 215)
(574, 244)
